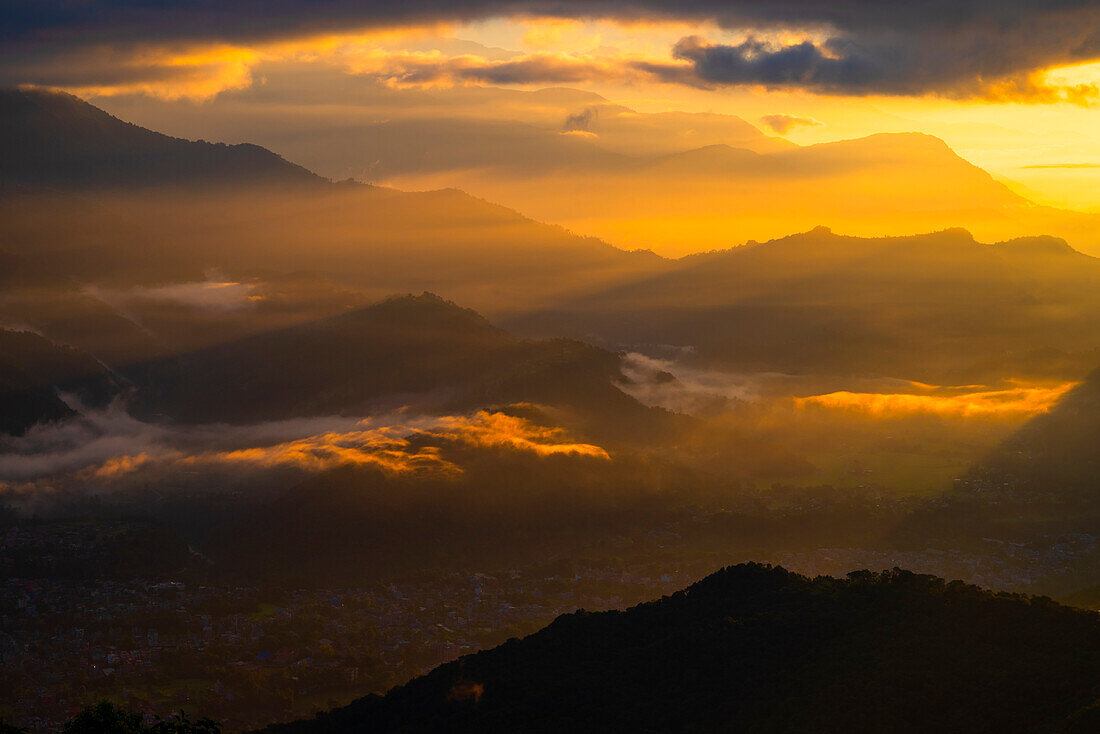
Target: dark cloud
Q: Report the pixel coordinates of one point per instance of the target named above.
(582, 120)
(755, 62)
(955, 47)
(96, 21)
(410, 69)
(951, 48)
(985, 61)
(783, 123)
(537, 69)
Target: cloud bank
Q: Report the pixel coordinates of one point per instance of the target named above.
(1021, 402)
(681, 388)
(106, 445)
(964, 48)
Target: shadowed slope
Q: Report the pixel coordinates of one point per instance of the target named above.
(754, 648)
(55, 139)
(1054, 457)
(33, 370)
(936, 306)
(405, 349)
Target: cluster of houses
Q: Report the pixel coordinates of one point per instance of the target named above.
(247, 655)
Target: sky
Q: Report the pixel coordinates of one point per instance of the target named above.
(1011, 85)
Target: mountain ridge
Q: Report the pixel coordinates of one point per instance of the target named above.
(820, 300)
(55, 139)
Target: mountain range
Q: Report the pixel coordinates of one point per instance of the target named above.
(216, 337)
(404, 348)
(130, 272)
(91, 198)
(940, 306)
(673, 182)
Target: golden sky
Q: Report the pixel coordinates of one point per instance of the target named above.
(1011, 87)
(1051, 147)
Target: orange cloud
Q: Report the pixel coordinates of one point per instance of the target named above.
(1016, 402)
(500, 430)
(413, 447)
(171, 73)
(203, 70)
(122, 465)
(1038, 88)
(381, 448)
(553, 32)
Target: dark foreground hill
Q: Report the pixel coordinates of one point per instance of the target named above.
(753, 648)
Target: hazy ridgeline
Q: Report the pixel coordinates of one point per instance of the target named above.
(672, 181)
(192, 284)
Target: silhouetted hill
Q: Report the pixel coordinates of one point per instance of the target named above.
(918, 156)
(412, 350)
(57, 140)
(758, 649)
(87, 197)
(915, 154)
(468, 128)
(411, 347)
(33, 370)
(709, 161)
(670, 181)
(938, 306)
(712, 192)
(468, 250)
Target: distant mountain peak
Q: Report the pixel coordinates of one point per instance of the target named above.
(909, 138)
(54, 139)
(960, 235)
(956, 235)
(1040, 245)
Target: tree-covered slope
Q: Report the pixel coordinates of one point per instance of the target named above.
(753, 648)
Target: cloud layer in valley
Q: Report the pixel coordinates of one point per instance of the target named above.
(681, 388)
(106, 445)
